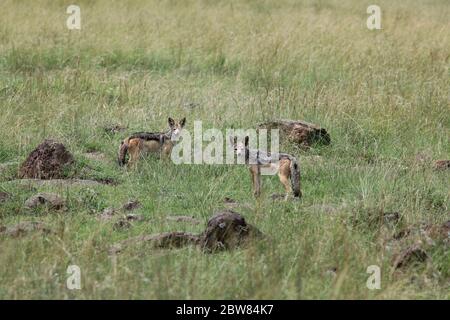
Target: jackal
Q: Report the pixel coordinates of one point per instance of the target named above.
(287, 167)
(142, 143)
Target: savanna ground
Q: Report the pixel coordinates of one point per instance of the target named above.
(383, 95)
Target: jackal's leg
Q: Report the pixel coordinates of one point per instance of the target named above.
(166, 151)
(256, 179)
(134, 150)
(284, 172)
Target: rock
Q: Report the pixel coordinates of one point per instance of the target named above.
(52, 200)
(24, 228)
(300, 132)
(227, 230)
(47, 161)
(4, 196)
(410, 255)
(131, 205)
(186, 219)
(442, 164)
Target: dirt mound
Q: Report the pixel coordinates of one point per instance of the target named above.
(47, 161)
(411, 255)
(442, 164)
(225, 230)
(52, 200)
(303, 133)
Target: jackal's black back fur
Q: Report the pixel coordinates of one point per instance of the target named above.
(148, 136)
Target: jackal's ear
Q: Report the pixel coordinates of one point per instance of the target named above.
(171, 122)
(183, 122)
(246, 141)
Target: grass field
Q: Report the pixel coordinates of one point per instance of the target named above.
(383, 95)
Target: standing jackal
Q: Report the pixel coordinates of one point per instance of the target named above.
(287, 168)
(141, 143)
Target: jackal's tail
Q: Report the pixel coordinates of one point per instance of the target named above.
(123, 149)
(295, 178)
